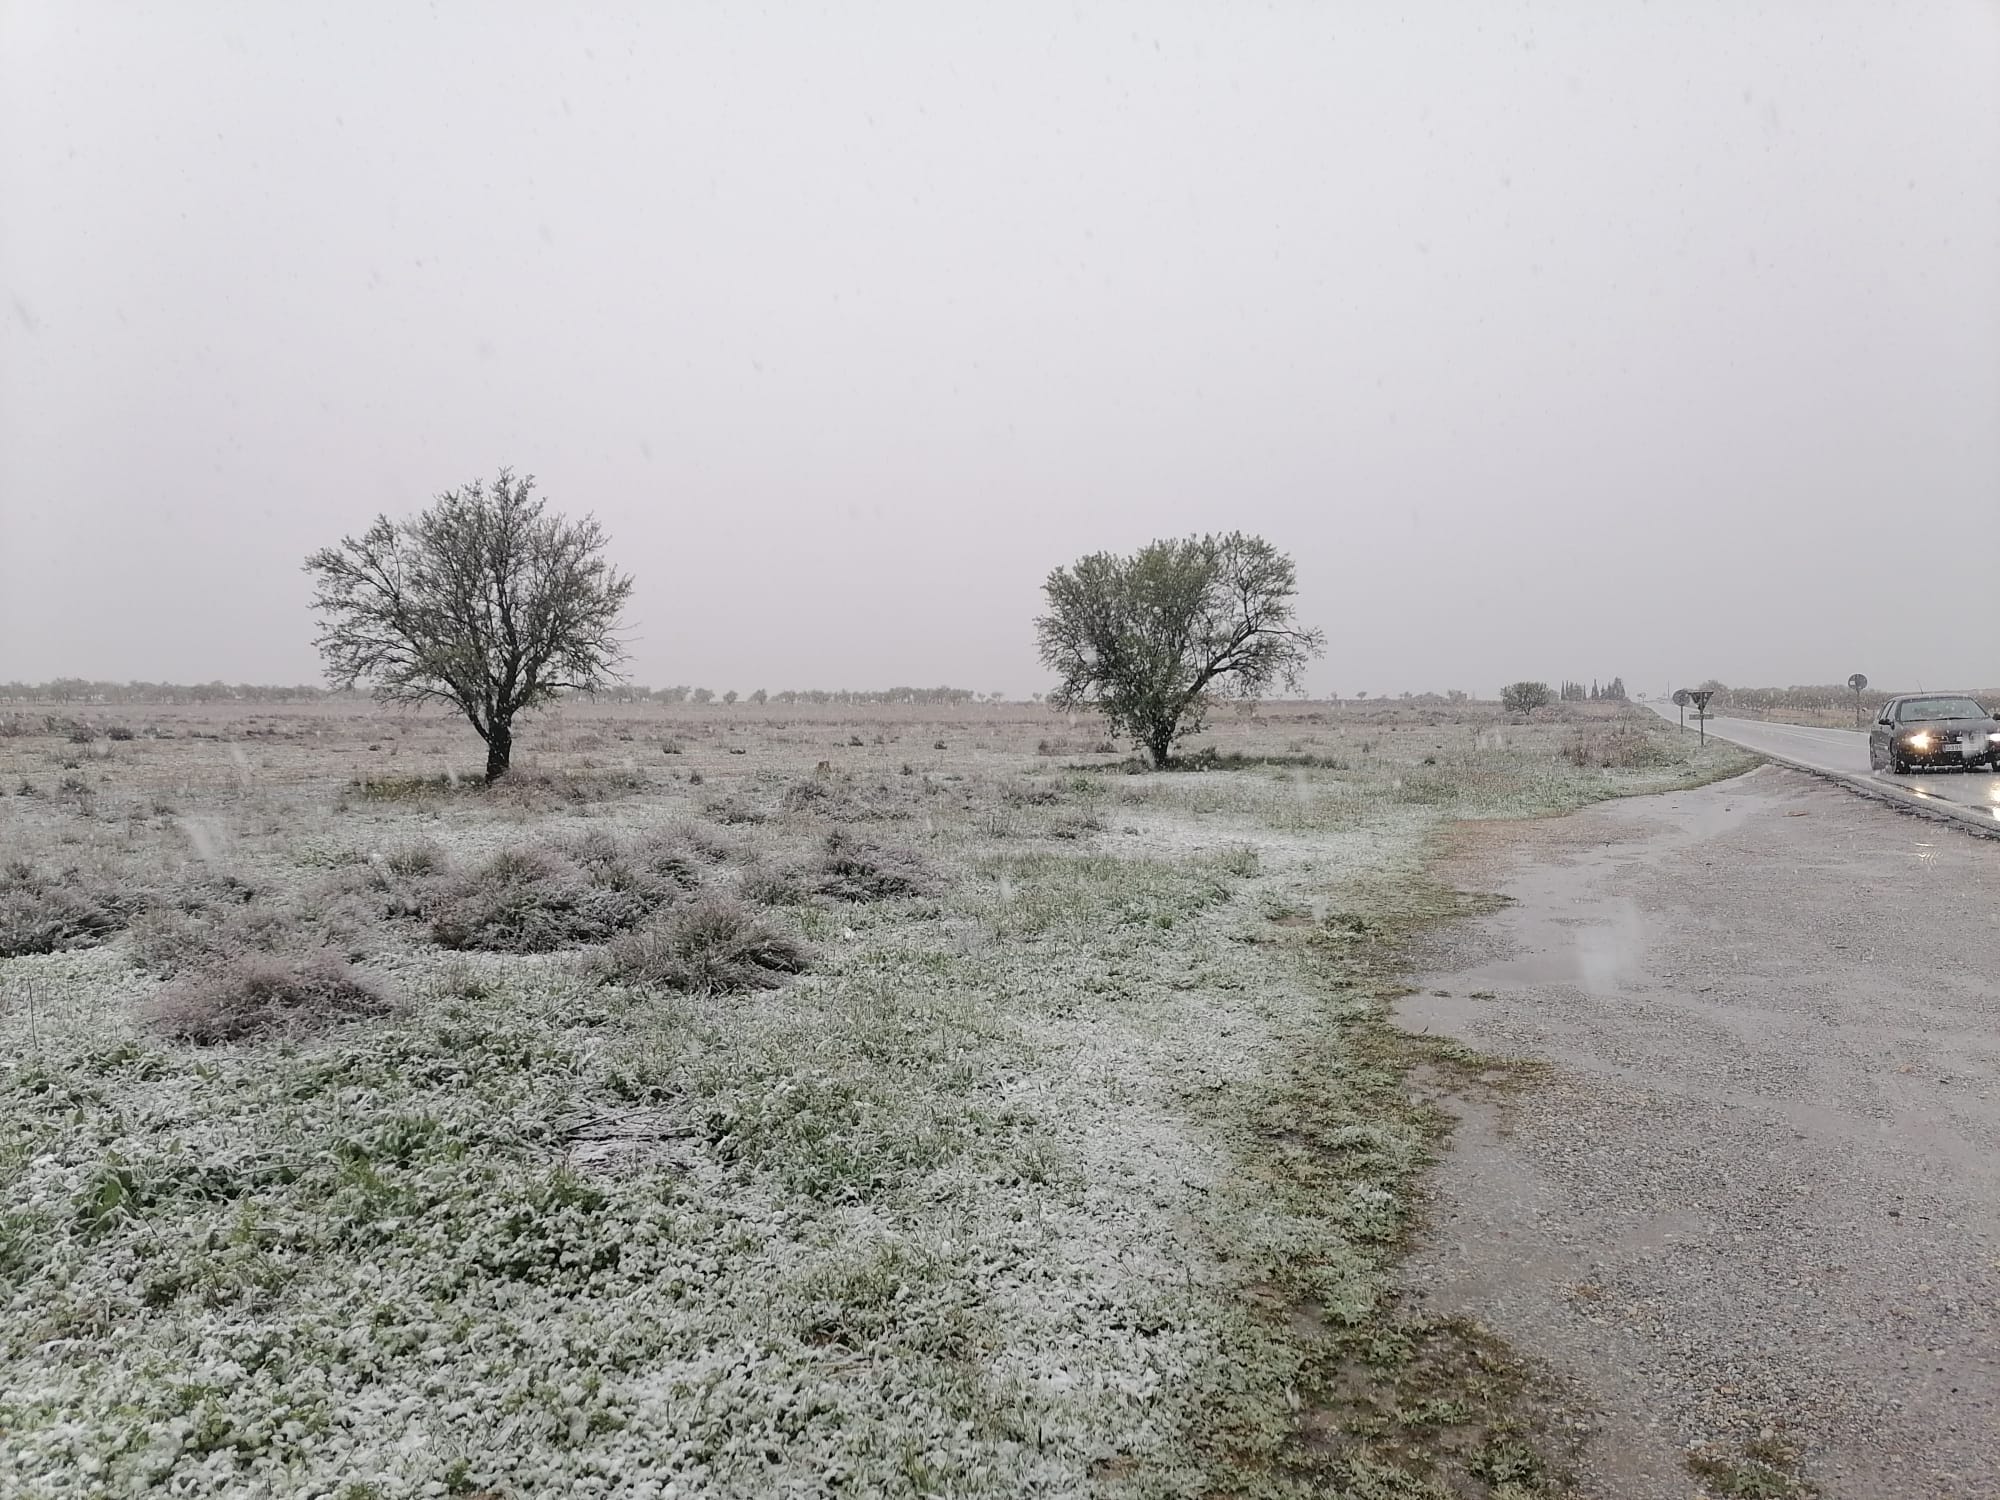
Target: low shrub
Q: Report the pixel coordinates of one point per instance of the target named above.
(841, 797)
(1617, 749)
(173, 939)
(417, 859)
(526, 900)
(586, 890)
(49, 913)
(845, 869)
(730, 809)
(529, 790)
(1074, 823)
(715, 945)
(813, 794)
(775, 884)
(261, 995)
(848, 868)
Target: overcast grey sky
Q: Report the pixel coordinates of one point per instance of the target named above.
(1551, 339)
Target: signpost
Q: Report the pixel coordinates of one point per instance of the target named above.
(1858, 681)
(1681, 702)
(1699, 698)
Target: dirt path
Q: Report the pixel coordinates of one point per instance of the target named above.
(1757, 1202)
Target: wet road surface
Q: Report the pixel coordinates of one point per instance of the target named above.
(1846, 751)
(1756, 1196)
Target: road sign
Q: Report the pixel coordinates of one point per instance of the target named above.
(1680, 697)
(1699, 698)
(1858, 681)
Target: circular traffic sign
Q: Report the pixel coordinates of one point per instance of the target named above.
(1858, 681)
(1680, 697)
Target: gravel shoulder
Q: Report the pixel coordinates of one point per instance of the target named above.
(1754, 1204)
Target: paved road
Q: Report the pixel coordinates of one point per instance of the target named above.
(1757, 1190)
(1845, 751)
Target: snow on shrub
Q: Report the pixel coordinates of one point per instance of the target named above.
(254, 996)
(713, 946)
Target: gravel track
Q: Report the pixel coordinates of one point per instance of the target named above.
(1759, 1192)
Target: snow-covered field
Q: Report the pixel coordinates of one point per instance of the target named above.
(985, 1202)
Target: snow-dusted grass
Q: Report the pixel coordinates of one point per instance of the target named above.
(994, 1200)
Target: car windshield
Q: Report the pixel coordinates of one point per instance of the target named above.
(1913, 709)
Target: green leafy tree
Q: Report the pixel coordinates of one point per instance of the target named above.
(484, 602)
(1525, 697)
(1151, 640)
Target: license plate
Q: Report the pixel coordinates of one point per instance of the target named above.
(1971, 744)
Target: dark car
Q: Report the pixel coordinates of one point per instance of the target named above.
(1928, 731)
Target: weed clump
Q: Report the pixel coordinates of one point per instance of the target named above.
(840, 797)
(528, 790)
(848, 868)
(730, 809)
(712, 946)
(1618, 749)
(534, 900)
(414, 861)
(260, 995)
(197, 934)
(527, 900)
(845, 869)
(46, 914)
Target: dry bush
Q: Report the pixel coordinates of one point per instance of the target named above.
(585, 890)
(1064, 745)
(839, 796)
(172, 939)
(730, 809)
(775, 884)
(853, 869)
(1616, 749)
(527, 900)
(48, 913)
(815, 794)
(658, 867)
(543, 790)
(260, 995)
(1028, 794)
(1075, 823)
(534, 791)
(708, 844)
(845, 868)
(712, 946)
(415, 860)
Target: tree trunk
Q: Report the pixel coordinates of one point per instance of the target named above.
(1161, 744)
(499, 749)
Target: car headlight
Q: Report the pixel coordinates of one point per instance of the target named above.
(1993, 739)
(1921, 740)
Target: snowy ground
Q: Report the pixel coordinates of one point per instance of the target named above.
(982, 1204)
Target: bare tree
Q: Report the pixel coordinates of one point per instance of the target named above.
(482, 602)
(1525, 697)
(1150, 640)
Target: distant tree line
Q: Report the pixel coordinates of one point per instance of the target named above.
(636, 693)
(83, 690)
(1611, 692)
